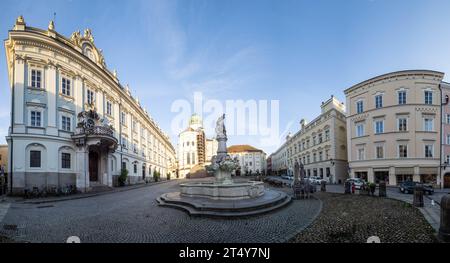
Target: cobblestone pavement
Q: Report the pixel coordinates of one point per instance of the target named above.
(432, 213)
(134, 216)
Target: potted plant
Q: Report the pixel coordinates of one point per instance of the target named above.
(123, 177)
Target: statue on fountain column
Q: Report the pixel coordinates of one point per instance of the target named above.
(220, 127)
(222, 164)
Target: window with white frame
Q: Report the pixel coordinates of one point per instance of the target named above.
(327, 135)
(360, 130)
(66, 86)
(448, 118)
(361, 154)
(448, 139)
(90, 96)
(123, 118)
(359, 106)
(428, 151)
(402, 97)
(379, 126)
(378, 101)
(402, 124)
(36, 78)
(109, 108)
(403, 151)
(124, 142)
(66, 123)
(428, 97)
(447, 159)
(36, 118)
(428, 124)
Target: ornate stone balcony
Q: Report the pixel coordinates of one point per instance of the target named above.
(93, 131)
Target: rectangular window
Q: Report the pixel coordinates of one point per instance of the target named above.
(361, 154)
(448, 138)
(135, 168)
(379, 127)
(109, 108)
(66, 123)
(123, 118)
(448, 118)
(35, 159)
(36, 118)
(90, 97)
(447, 159)
(428, 151)
(327, 135)
(380, 152)
(378, 101)
(360, 130)
(36, 76)
(402, 97)
(66, 86)
(320, 138)
(428, 97)
(403, 151)
(65, 160)
(402, 124)
(359, 107)
(428, 124)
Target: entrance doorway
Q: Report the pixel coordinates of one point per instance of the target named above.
(447, 181)
(93, 166)
(381, 176)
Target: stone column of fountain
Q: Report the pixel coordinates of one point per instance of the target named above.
(222, 164)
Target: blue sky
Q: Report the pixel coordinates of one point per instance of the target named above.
(297, 52)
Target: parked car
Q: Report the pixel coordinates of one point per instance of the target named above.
(290, 177)
(407, 187)
(359, 183)
(284, 176)
(316, 180)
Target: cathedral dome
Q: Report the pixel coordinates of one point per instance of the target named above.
(195, 121)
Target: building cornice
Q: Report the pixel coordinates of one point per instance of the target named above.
(395, 75)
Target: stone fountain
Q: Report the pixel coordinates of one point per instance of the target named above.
(224, 197)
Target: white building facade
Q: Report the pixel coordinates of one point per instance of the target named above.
(194, 149)
(251, 159)
(72, 122)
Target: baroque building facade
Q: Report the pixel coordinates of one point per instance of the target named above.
(251, 160)
(394, 127)
(72, 121)
(194, 149)
(321, 145)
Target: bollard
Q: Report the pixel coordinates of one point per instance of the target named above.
(444, 229)
(418, 195)
(323, 186)
(382, 189)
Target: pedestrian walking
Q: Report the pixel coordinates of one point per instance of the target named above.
(353, 188)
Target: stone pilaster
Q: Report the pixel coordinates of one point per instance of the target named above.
(52, 95)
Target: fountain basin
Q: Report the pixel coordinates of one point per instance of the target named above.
(221, 191)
